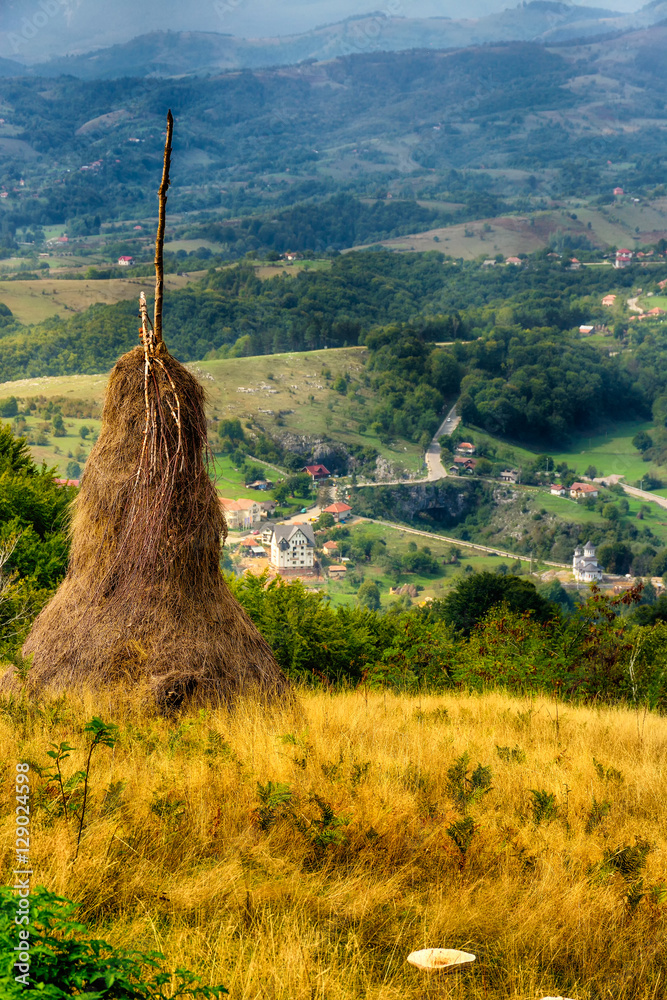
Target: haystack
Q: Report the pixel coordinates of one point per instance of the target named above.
(144, 600)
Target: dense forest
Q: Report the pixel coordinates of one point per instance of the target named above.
(233, 312)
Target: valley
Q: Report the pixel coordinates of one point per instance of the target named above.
(418, 265)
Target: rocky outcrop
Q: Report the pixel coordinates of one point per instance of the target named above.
(445, 503)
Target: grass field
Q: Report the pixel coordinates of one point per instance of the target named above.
(278, 384)
(278, 387)
(655, 301)
(323, 898)
(610, 451)
(653, 516)
(515, 234)
(397, 543)
(34, 301)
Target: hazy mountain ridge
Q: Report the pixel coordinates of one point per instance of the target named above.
(170, 53)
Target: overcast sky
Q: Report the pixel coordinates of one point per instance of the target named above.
(31, 30)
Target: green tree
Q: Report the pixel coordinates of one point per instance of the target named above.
(642, 441)
(368, 595)
(474, 596)
(280, 493)
(9, 407)
(615, 557)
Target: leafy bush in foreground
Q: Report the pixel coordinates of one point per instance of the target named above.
(66, 962)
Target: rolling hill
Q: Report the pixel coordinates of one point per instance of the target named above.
(177, 53)
(285, 395)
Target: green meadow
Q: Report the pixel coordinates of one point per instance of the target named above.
(397, 544)
(610, 450)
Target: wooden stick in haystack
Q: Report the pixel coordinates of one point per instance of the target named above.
(144, 600)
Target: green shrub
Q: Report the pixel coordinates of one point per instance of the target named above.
(66, 961)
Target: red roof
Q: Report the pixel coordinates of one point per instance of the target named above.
(337, 508)
(317, 470)
(584, 488)
(67, 482)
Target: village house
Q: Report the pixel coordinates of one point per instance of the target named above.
(514, 260)
(268, 506)
(582, 491)
(339, 510)
(243, 513)
(585, 566)
(462, 465)
(292, 547)
(336, 572)
(608, 300)
(260, 484)
(465, 448)
(585, 329)
(510, 475)
(557, 490)
(330, 547)
(623, 258)
(126, 261)
(316, 471)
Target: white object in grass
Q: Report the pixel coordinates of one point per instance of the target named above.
(440, 959)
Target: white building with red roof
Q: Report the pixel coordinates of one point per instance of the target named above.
(339, 510)
(243, 513)
(582, 491)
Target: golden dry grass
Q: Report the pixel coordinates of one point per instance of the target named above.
(183, 865)
(34, 300)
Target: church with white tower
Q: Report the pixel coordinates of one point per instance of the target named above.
(585, 566)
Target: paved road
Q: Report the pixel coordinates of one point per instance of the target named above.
(644, 495)
(436, 469)
(464, 545)
(434, 466)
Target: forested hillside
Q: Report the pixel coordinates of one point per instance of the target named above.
(233, 310)
(421, 124)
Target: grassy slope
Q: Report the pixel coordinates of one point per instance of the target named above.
(610, 451)
(180, 863)
(510, 235)
(34, 301)
(296, 376)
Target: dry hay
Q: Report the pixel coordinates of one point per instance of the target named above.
(144, 600)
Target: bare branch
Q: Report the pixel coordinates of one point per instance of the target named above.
(159, 241)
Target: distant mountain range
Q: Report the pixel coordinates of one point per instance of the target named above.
(190, 53)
